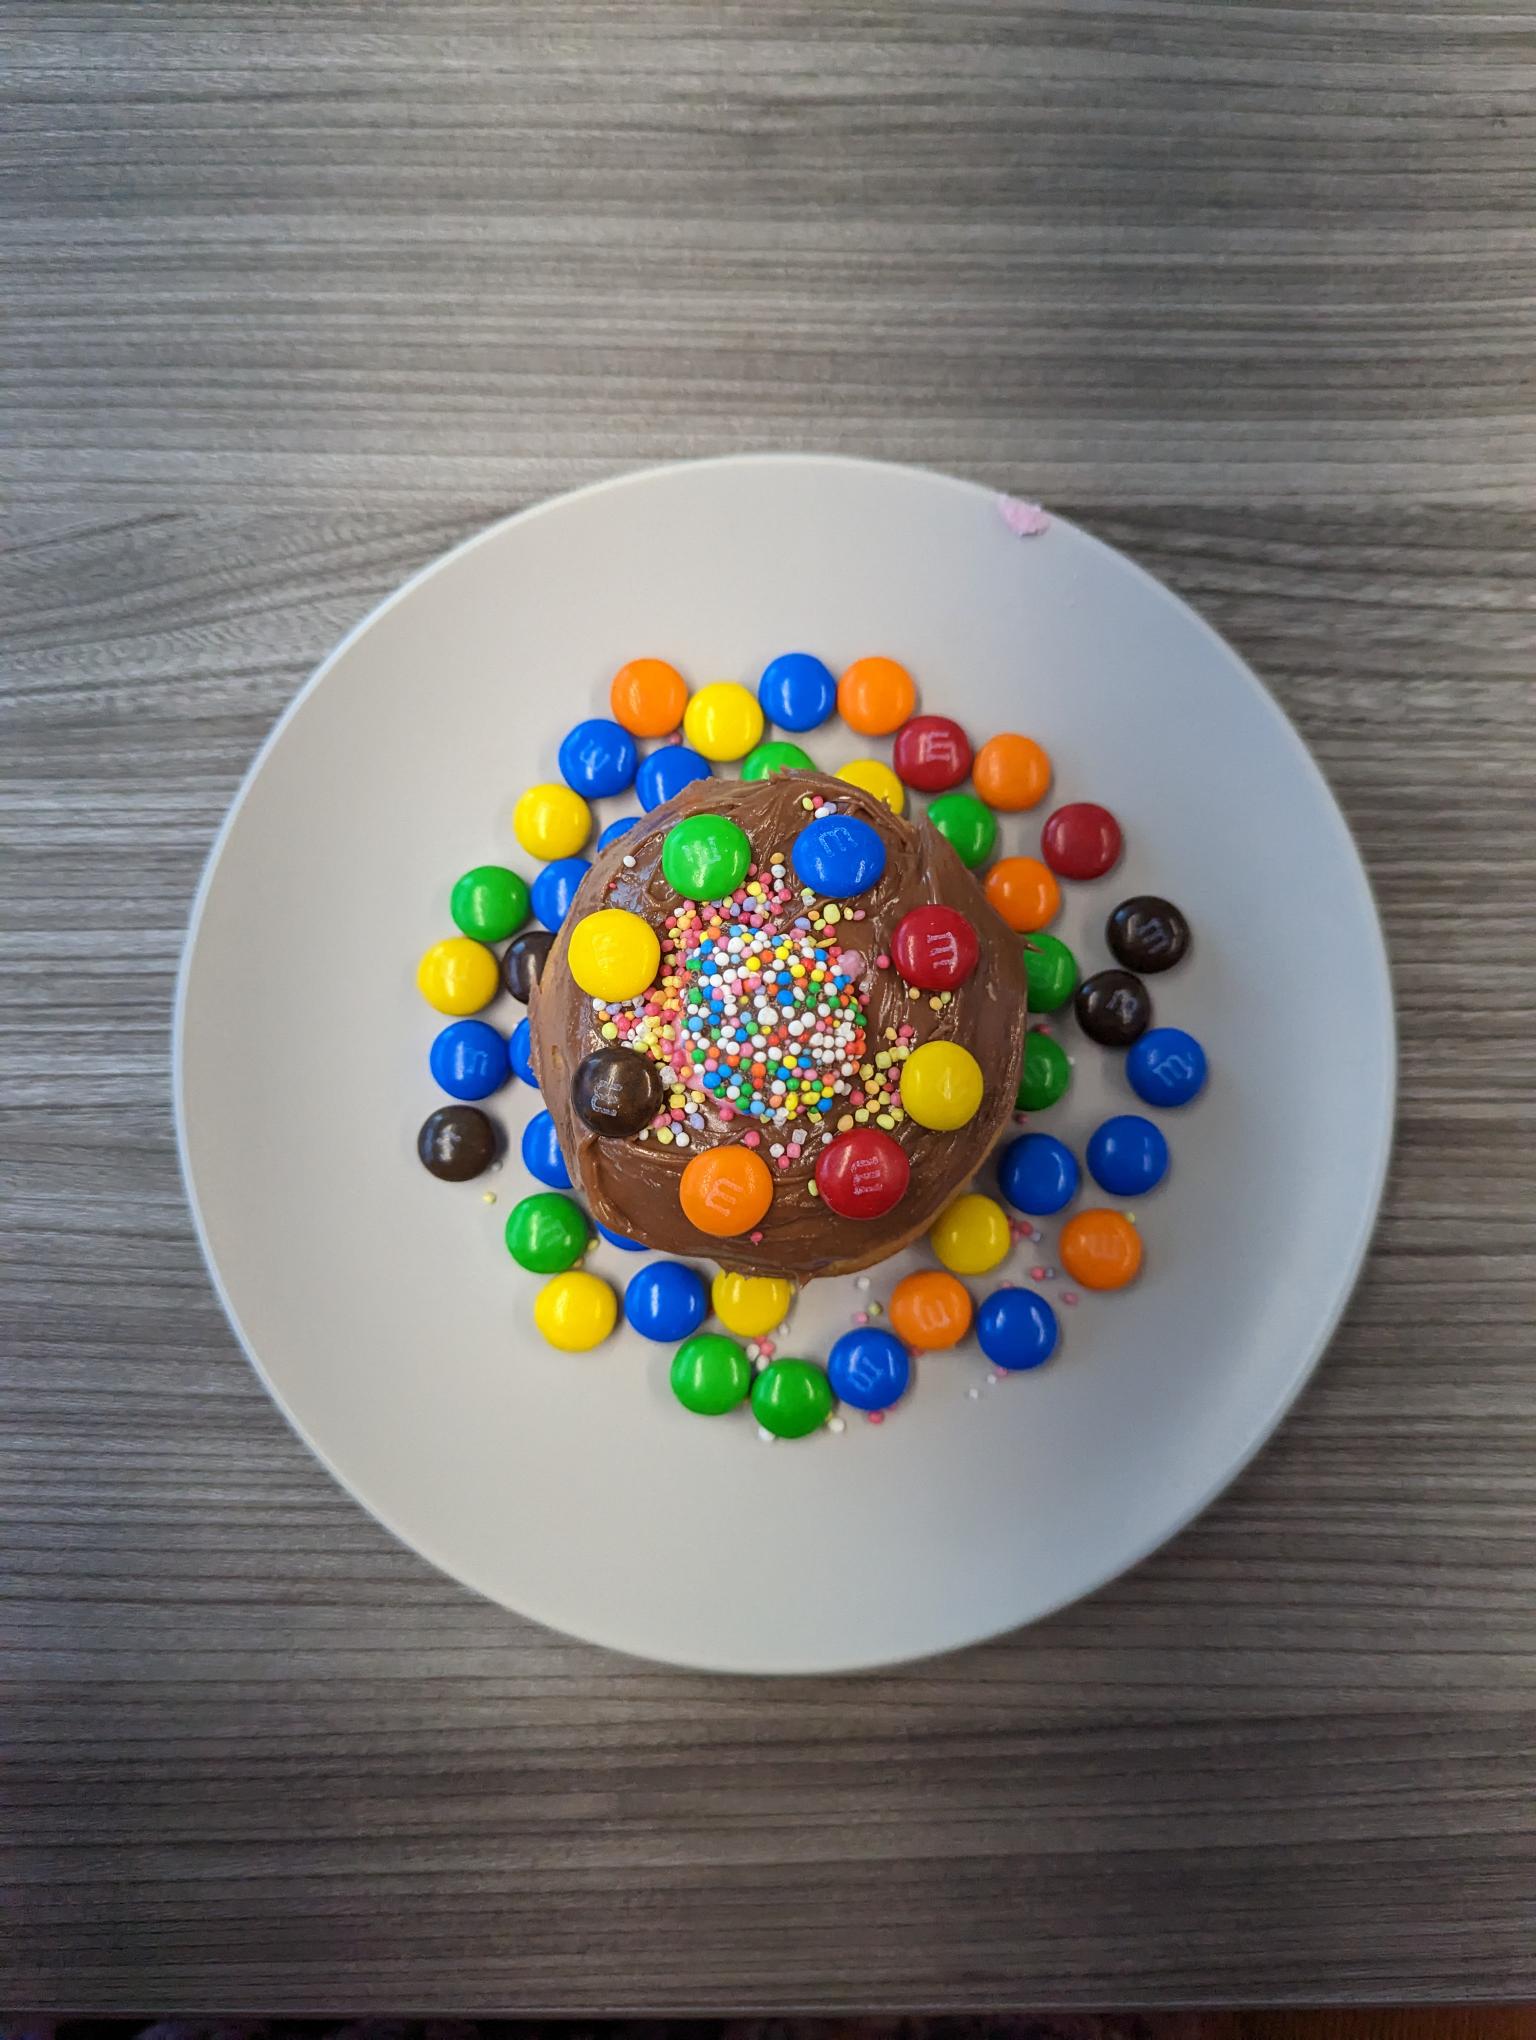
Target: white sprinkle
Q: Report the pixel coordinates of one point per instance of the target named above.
(974, 1394)
(680, 1137)
(862, 1283)
(766, 1436)
(629, 864)
(837, 1425)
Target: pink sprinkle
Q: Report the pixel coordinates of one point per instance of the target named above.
(756, 1238)
(849, 962)
(861, 1317)
(752, 1138)
(1037, 1274)
(859, 914)
(675, 738)
(1069, 1297)
(882, 962)
(876, 1416)
(766, 1347)
(1024, 520)
(727, 1113)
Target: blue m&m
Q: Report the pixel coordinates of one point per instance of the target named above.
(616, 829)
(797, 691)
(541, 1153)
(555, 888)
(598, 758)
(868, 1370)
(1016, 1329)
(1127, 1156)
(667, 772)
(1037, 1173)
(469, 1059)
(617, 1239)
(838, 856)
(666, 1301)
(520, 1049)
(1166, 1067)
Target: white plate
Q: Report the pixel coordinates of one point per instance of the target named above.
(380, 1307)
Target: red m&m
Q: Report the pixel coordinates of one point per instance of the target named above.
(1081, 840)
(935, 948)
(931, 753)
(862, 1174)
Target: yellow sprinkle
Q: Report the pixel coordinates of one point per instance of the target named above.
(912, 991)
(487, 1196)
(883, 1060)
(832, 914)
(862, 1116)
(897, 1113)
(664, 1135)
(874, 1310)
(890, 1034)
(937, 1004)
(845, 1122)
(610, 1031)
(884, 1119)
(807, 802)
(813, 1190)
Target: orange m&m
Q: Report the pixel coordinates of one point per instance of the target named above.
(726, 1190)
(930, 1310)
(875, 696)
(1024, 891)
(648, 697)
(1011, 772)
(1100, 1249)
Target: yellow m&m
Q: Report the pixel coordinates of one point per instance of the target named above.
(941, 1086)
(877, 779)
(614, 954)
(750, 1305)
(723, 720)
(551, 821)
(458, 976)
(971, 1235)
(576, 1311)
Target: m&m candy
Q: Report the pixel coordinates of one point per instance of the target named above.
(1081, 840)
(931, 753)
(1037, 1174)
(710, 1374)
(489, 903)
(1011, 772)
(1147, 934)
(523, 960)
(723, 720)
(576, 1311)
(546, 1232)
(617, 1239)
(862, 1174)
(797, 691)
(598, 758)
(750, 1305)
(791, 1398)
(1166, 1067)
(458, 976)
(1045, 1074)
(726, 1190)
(456, 1142)
(665, 1301)
(1127, 1155)
(868, 1369)
(775, 757)
(1024, 892)
(966, 824)
(616, 829)
(666, 772)
(551, 821)
(469, 1060)
(1100, 1249)
(613, 954)
(935, 948)
(1113, 1008)
(705, 857)
(1050, 972)
(541, 1152)
(838, 856)
(971, 1235)
(930, 1311)
(941, 1085)
(875, 696)
(555, 888)
(877, 779)
(616, 1091)
(1016, 1329)
(648, 697)
(520, 1049)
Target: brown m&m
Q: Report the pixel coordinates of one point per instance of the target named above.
(524, 959)
(935, 948)
(1148, 934)
(616, 1091)
(1113, 1008)
(456, 1143)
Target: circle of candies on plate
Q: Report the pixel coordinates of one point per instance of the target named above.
(863, 1173)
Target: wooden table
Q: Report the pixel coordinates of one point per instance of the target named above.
(300, 294)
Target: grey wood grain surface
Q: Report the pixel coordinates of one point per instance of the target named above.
(295, 296)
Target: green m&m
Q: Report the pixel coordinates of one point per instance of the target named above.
(710, 1374)
(546, 1233)
(489, 903)
(791, 1398)
(967, 824)
(1045, 1075)
(775, 757)
(705, 857)
(1050, 970)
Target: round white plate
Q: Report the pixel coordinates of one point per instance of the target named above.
(380, 1306)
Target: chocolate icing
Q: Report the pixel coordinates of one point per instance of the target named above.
(632, 1185)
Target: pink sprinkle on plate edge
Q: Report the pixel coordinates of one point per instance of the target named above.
(1024, 520)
